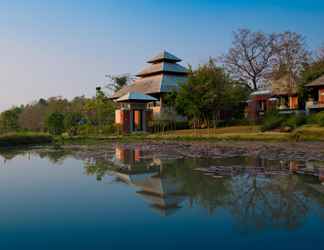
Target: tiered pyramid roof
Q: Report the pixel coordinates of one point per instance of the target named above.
(163, 75)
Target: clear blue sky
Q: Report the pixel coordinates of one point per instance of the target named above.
(65, 47)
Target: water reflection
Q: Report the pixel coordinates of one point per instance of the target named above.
(255, 193)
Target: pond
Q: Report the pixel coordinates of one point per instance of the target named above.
(124, 197)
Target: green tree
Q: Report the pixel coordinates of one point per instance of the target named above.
(71, 122)
(100, 110)
(9, 119)
(208, 94)
(311, 72)
(55, 123)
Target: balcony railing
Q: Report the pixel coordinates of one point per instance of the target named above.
(315, 104)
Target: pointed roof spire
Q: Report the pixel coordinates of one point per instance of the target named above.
(164, 56)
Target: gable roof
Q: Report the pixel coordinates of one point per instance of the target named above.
(163, 67)
(317, 82)
(164, 56)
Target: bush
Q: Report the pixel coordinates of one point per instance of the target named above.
(320, 118)
(108, 129)
(272, 120)
(295, 121)
(182, 125)
(311, 119)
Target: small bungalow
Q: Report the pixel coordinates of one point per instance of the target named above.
(143, 99)
(316, 90)
(285, 90)
(259, 103)
(282, 95)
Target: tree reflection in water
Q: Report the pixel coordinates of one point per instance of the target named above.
(254, 199)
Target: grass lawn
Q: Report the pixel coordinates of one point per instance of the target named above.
(234, 133)
(214, 131)
(227, 133)
(309, 133)
(249, 133)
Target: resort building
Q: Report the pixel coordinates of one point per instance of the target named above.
(259, 103)
(285, 90)
(141, 101)
(316, 90)
(282, 95)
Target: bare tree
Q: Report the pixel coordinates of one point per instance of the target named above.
(250, 57)
(291, 54)
(321, 53)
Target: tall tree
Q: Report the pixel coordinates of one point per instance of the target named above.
(249, 58)
(290, 55)
(208, 93)
(116, 82)
(9, 119)
(55, 123)
(100, 110)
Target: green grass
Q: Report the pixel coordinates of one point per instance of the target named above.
(240, 133)
(234, 133)
(254, 136)
(308, 133)
(214, 131)
(17, 139)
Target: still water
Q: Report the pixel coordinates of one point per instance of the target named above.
(130, 199)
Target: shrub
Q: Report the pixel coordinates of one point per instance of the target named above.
(272, 120)
(320, 119)
(108, 129)
(182, 125)
(295, 121)
(311, 119)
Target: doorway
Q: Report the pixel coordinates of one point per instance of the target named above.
(137, 120)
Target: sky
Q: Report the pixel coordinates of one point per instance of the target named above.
(66, 47)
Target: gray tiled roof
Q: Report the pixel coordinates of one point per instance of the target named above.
(163, 67)
(162, 76)
(164, 56)
(317, 82)
(153, 84)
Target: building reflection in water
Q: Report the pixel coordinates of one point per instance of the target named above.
(262, 194)
(266, 193)
(145, 174)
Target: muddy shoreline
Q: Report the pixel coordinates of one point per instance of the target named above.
(301, 151)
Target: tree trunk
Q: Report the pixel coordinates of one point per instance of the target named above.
(255, 86)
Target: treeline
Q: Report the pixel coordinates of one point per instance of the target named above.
(57, 115)
(216, 92)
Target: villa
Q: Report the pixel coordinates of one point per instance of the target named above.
(282, 95)
(316, 90)
(141, 101)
